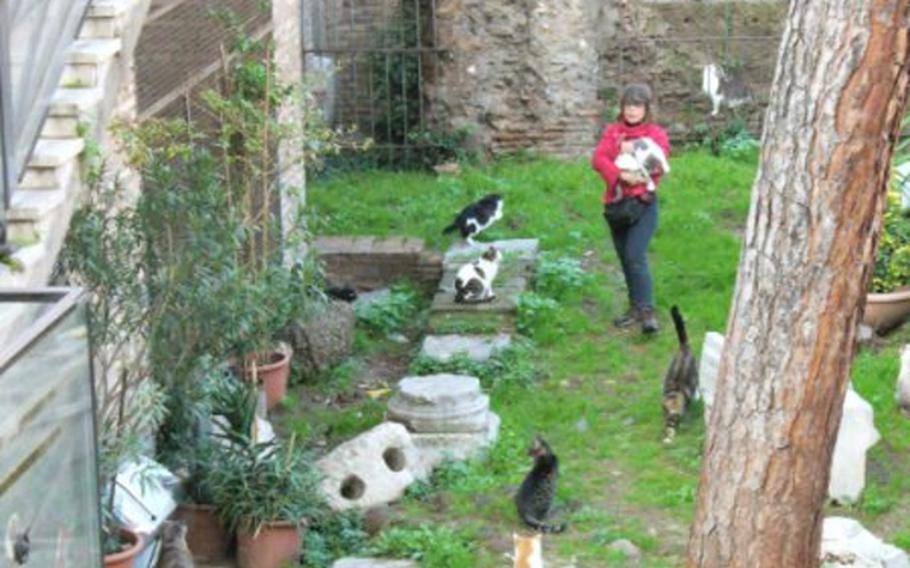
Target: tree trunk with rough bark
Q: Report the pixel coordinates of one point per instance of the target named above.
(834, 115)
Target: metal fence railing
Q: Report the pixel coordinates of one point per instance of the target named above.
(48, 440)
(34, 37)
(369, 63)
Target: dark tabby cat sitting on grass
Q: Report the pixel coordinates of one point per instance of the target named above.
(535, 496)
(681, 380)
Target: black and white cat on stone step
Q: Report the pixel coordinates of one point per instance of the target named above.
(477, 216)
(474, 280)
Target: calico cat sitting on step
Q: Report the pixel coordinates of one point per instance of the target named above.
(534, 499)
(474, 280)
(477, 216)
(681, 380)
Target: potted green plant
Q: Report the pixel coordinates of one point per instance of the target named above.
(264, 304)
(207, 537)
(265, 492)
(888, 304)
(124, 434)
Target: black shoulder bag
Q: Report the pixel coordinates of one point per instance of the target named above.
(627, 211)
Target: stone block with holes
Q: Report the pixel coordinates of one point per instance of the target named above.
(372, 469)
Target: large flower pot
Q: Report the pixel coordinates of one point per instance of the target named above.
(887, 311)
(276, 545)
(126, 557)
(205, 535)
(273, 374)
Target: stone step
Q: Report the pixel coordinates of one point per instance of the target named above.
(94, 50)
(499, 315)
(30, 206)
(55, 153)
(461, 252)
(102, 9)
(476, 347)
(29, 258)
(47, 178)
(101, 28)
(82, 75)
(75, 102)
(57, 127)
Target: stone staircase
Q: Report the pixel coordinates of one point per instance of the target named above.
(479, 330)
(96, 85)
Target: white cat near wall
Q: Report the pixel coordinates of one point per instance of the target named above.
(723, 89)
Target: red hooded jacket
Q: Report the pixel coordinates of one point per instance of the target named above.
(608, 148)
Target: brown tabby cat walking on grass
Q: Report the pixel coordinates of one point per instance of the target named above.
(535, 496)
(681, 380)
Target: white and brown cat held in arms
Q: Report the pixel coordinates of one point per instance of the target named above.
(645, 158)
(474, 280)
(477, 216)
(528, 550)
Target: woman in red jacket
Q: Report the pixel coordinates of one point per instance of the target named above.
(632, 233)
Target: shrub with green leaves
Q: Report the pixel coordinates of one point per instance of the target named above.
(557, 276)
(432, 546)
(515, 365)
(390, 314)
(892, 263)
(332, 537)
(535, 310)
(256, 483)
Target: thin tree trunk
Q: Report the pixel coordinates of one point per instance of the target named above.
(835, 109)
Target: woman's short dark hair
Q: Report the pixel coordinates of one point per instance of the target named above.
(637, 94)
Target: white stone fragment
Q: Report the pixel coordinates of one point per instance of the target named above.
(846, 543)
(372, 469)
(855, 436)
(708, 365)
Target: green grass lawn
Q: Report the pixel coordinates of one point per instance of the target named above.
(598, 403)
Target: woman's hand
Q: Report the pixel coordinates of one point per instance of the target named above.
(626, 147)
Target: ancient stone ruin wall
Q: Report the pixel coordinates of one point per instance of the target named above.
(542, 75)
(668, 43)
(519, 74)
(545, 75)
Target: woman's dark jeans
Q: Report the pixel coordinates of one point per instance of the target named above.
(631, 244)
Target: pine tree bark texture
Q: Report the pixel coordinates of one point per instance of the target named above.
(833, 117)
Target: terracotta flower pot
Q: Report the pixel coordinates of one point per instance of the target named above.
(887, 311)
(125, 558)
(276, 545)
(273, 375)
(206, 536)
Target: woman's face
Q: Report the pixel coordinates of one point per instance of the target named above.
(633, 113)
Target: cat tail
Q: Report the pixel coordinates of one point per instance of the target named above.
(450, 228)
(543, 527)
(680, 327)
(460, 291)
